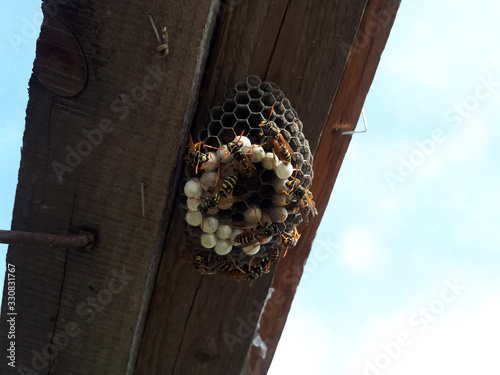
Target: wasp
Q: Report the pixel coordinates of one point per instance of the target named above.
(202, 264)
(289, 240)
(303, 196)
(255, 271)
(274, 254)
(250, 273)
(223, 194)
(241, 160)
(196, 157)
(266, 262)
(228, 185)
(256, 236)
(209, 203)
(226, 266)
(229, 268)
(280, 146)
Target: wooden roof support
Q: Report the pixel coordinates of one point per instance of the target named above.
(105, 117)
(367, 48)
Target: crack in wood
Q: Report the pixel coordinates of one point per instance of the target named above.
(62, 284)
(277, 38)
(186, 323)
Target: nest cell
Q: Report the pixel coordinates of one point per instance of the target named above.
(242, 112)
(242, 97)
(228, 119)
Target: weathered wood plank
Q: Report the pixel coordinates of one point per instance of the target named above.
(365, 55)
(94, 133)
(205, 325)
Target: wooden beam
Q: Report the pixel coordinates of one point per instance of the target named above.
(364, 58)
(207, 324)
(105, 118)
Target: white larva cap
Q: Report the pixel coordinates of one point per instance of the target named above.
(210, 225)
(253, 215)
(212, 163)
(223, 247)
(194, 218)
(193, 189)
(258, 154)
(208, 240)
(224, 232)
(251, 250)
(282, 170)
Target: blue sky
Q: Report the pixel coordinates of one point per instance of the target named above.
(414, 209)
(19, 30)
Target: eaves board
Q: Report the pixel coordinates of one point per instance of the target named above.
(106, 119)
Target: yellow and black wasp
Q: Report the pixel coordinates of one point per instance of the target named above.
(250, 272)
(228, 185)
(224, 194)
(197, 158)
(256, 236)
(289, 240)
(209, 203)
(303, 196)
(267, 261)
(254, 272)
(203, 264)
(229, 268)
(241, 159)
(280, 146)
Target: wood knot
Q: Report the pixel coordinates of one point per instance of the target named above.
(203, 355)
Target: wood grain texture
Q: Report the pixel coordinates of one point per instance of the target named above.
(78, 312)
(364, 58)
(205, 325)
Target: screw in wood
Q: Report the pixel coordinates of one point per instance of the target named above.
(162, 49)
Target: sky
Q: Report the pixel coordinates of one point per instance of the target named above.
(403, 275)
(19, 30)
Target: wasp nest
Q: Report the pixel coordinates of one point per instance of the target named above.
(247, 181)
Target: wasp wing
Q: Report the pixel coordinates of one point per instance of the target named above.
(288, 147)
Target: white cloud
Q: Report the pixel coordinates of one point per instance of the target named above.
(460, 345)
(304, 348)
(359, 250)
(469, 144)
(460, 341)
(388, 206)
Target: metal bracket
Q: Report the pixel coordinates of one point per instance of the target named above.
(359, 131)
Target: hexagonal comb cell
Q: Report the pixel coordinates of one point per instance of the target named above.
(214, 127)
(268, 99)
(241, 112)
(256, 106)
(229, 106)
(216, 113)
(242, 97)
(242, 189)
(226, 135)
(228, 119)
(253, 81)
